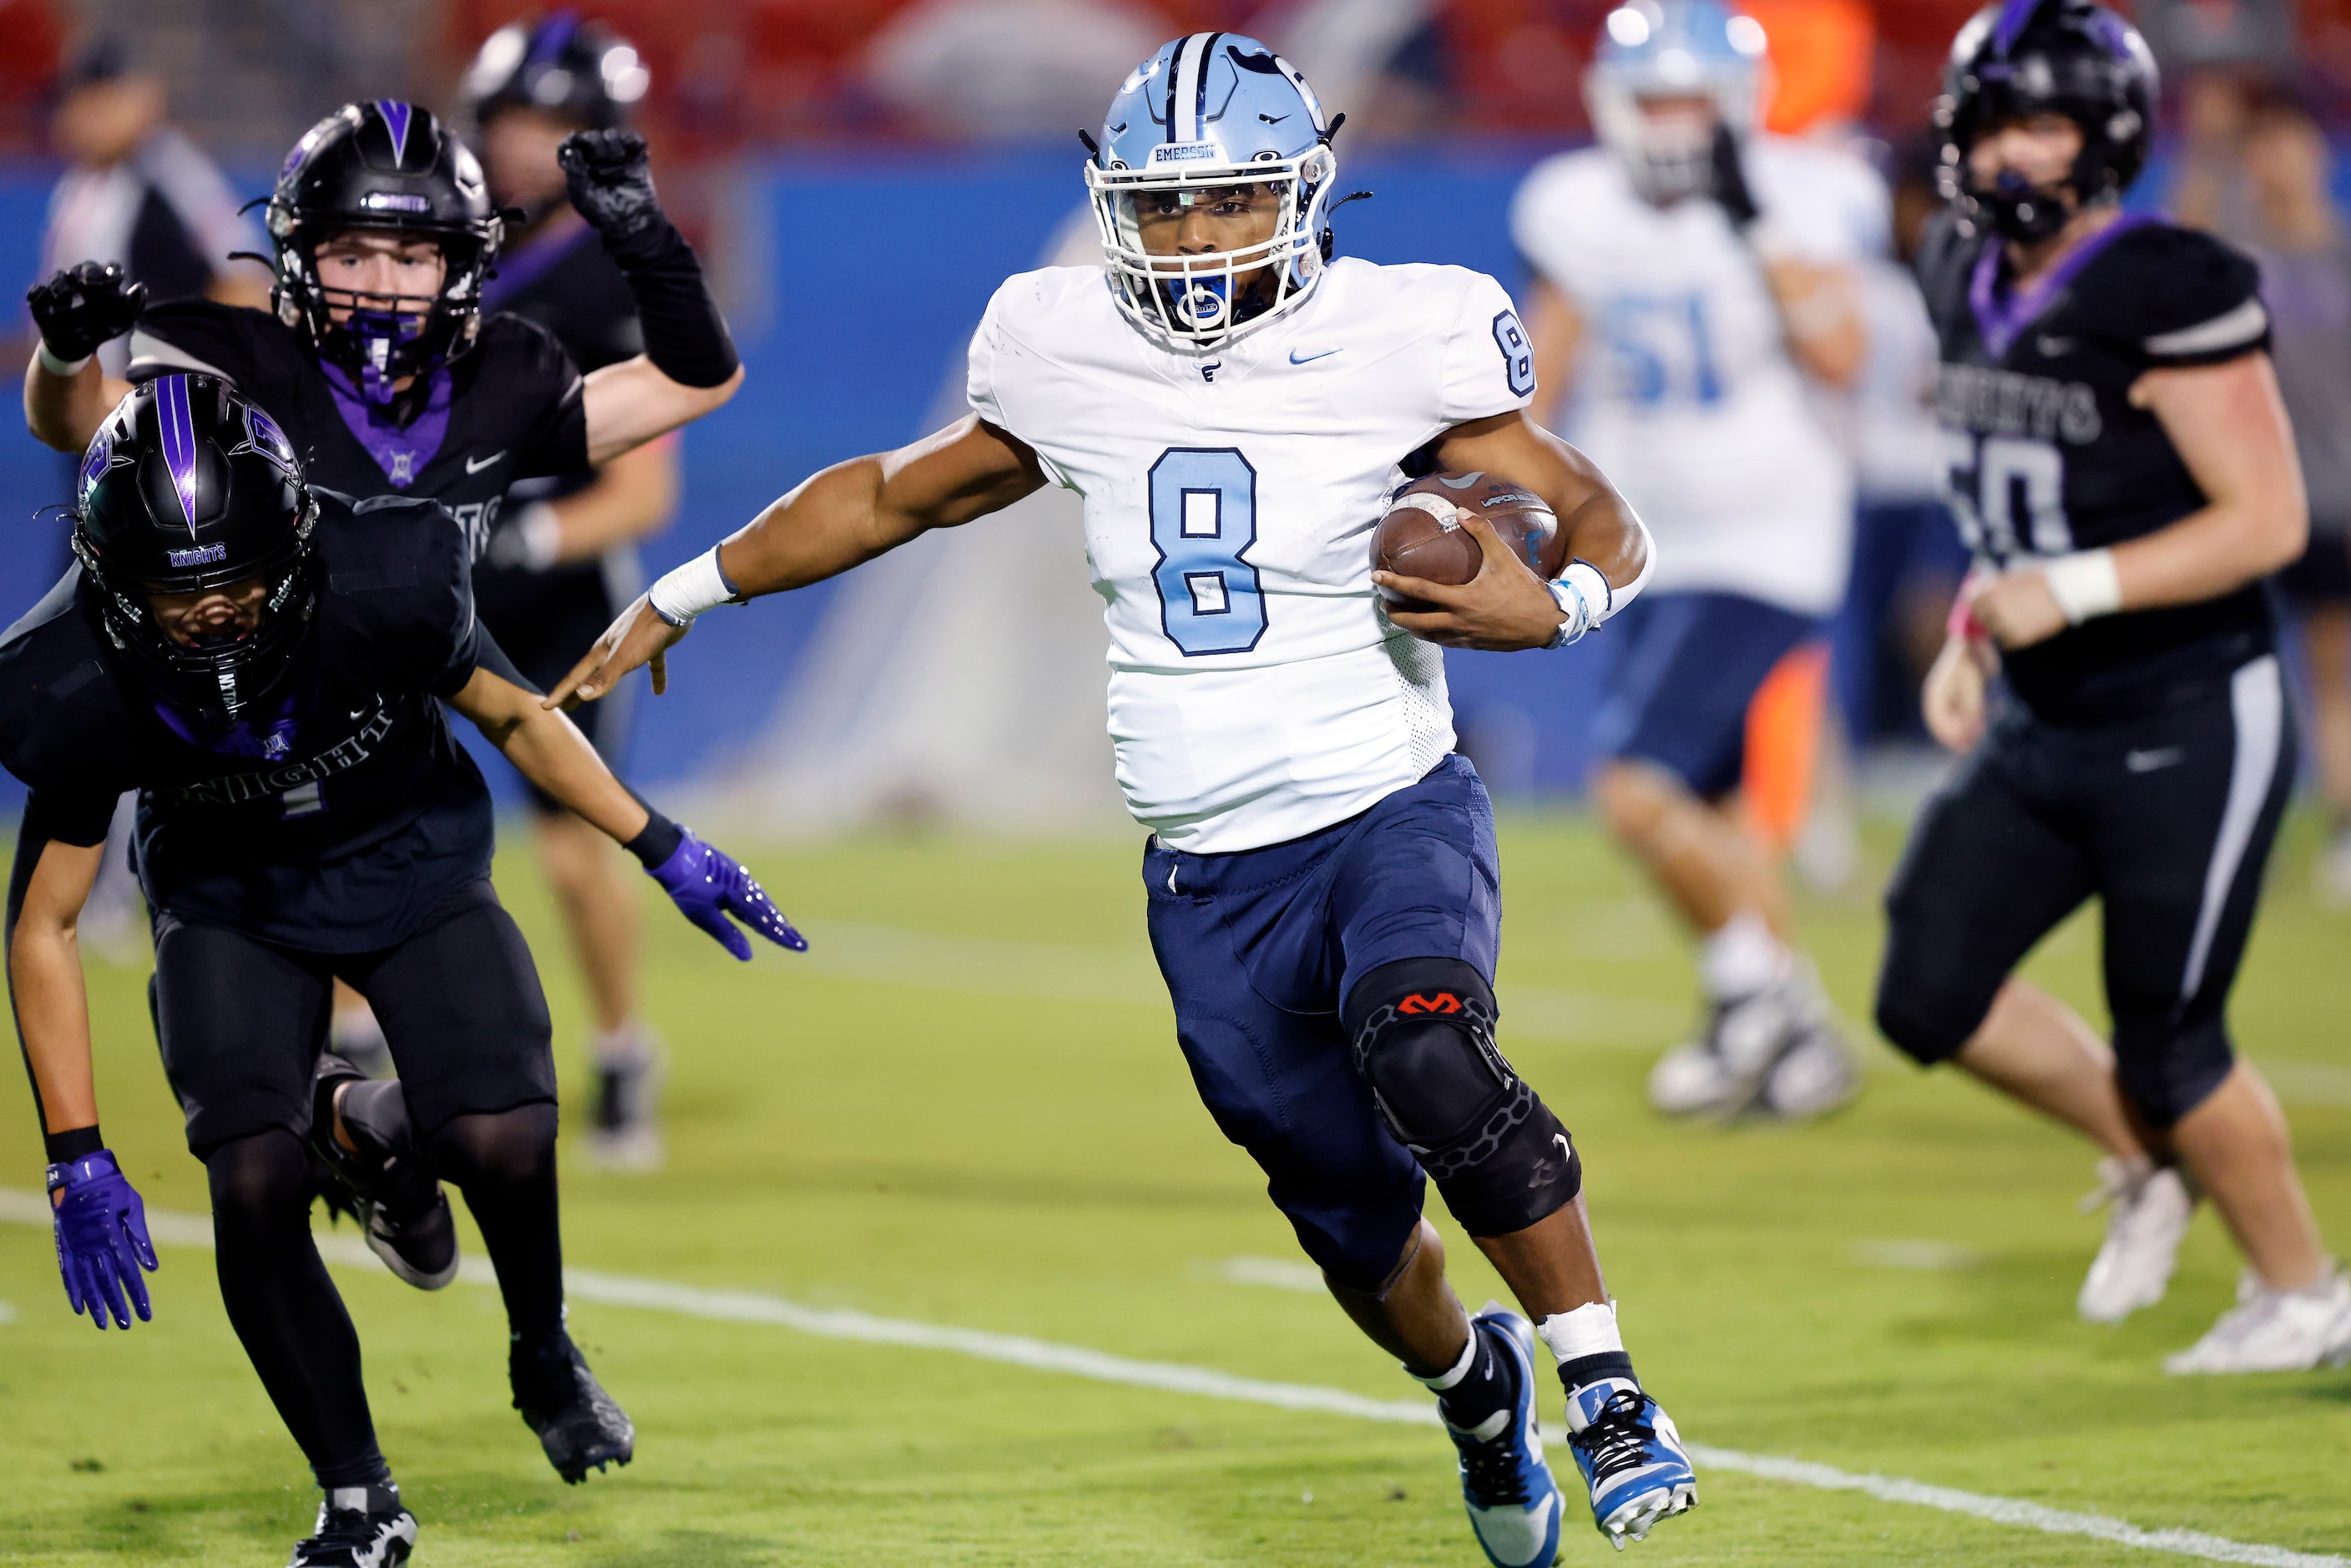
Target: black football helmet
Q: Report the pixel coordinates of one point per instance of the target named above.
(187, 487)
(577, 69)
(2026, 58)
(390, 167)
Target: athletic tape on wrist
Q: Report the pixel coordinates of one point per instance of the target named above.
(1585, 596)
(688, 590)
(57, 367)
(2084, 584)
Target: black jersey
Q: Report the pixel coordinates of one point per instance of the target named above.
(565, 282)
(337, 817)
(2049, 456)
(508, 408)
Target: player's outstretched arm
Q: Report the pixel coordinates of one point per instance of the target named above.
(847, 514)
(689, 366)
(67, 395)
(706, 883)
(1506, 607)
(101, 1223)
(2229, 425)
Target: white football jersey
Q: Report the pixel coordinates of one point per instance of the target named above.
(1686, 397)
(1256, 694)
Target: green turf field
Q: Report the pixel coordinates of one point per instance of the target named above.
(965, 1107)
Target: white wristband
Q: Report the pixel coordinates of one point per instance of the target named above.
(2084, 584)
(57, 367)
(687, 592)
(1585, 596)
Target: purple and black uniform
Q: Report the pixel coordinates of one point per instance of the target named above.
(2144, 757)
(508, 409)
(340, 829)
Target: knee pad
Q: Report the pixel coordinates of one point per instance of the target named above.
(1423, 1032)
(2164, 1073)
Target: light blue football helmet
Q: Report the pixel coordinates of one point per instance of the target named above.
(1210, 114)
(1674, 48)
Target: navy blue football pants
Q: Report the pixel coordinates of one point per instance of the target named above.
(1259, 947)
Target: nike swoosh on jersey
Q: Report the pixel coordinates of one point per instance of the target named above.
(2149, 761)
(1297, 358)
(474, 467)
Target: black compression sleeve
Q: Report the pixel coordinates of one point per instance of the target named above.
(685, 336)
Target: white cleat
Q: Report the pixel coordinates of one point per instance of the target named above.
(2274, 1331)
(2152, 1206)
(1776, 1053)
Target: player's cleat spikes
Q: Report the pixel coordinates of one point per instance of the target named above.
(579, 1426)
(624, 1130)
(359, 1527)
(1514, 1504)
(2152, 1206)
(1631, 1457)
(2274, 1331)
(382, 1178)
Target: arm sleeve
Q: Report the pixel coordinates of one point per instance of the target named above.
(1487, 366)
(190, 335)
(2202, 304)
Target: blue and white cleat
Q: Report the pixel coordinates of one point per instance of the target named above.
(1514, 1505)
(1630, 1457)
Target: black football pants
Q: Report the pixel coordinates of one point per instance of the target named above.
(2167, 819)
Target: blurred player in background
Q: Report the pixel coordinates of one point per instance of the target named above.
(379, 359)
(261, 660)
(2296, 234)
(562, 558)
(2124, 472)
(1324, 887)
(1701, 275)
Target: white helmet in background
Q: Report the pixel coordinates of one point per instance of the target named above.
(1677, 49)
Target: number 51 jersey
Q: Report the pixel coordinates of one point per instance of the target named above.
(2048, 455)
(1255, 692)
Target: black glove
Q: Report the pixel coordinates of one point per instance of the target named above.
(84, 307)
(1731, 189)
(611, 178)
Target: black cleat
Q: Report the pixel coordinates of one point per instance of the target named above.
(359, 1527)
(579, 1425)
(383, 1180)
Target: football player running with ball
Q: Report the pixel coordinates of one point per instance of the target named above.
(1324, 894)
(261, 660)
(2125, 473)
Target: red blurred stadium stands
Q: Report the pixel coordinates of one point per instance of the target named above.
(30, 40)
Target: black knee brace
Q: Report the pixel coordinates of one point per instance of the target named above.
(1424, 1037)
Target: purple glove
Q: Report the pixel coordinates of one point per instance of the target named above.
(102, 1238)
(707, 885)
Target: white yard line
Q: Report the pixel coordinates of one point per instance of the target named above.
(1171, 1377)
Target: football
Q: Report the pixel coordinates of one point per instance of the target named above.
(1421, 535)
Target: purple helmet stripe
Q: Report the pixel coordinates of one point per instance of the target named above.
(395, 119)
(2014, 17)
(176, 424)
(553, 34)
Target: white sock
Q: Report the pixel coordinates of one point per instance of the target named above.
(623, 1047)
(1589, 1329)
(1741, 958)
(1448, 1380)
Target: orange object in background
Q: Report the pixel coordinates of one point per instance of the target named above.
(1823, 54)
(1783, 746)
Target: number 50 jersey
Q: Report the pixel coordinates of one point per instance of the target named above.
(2048, 455)
(1256, 694)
